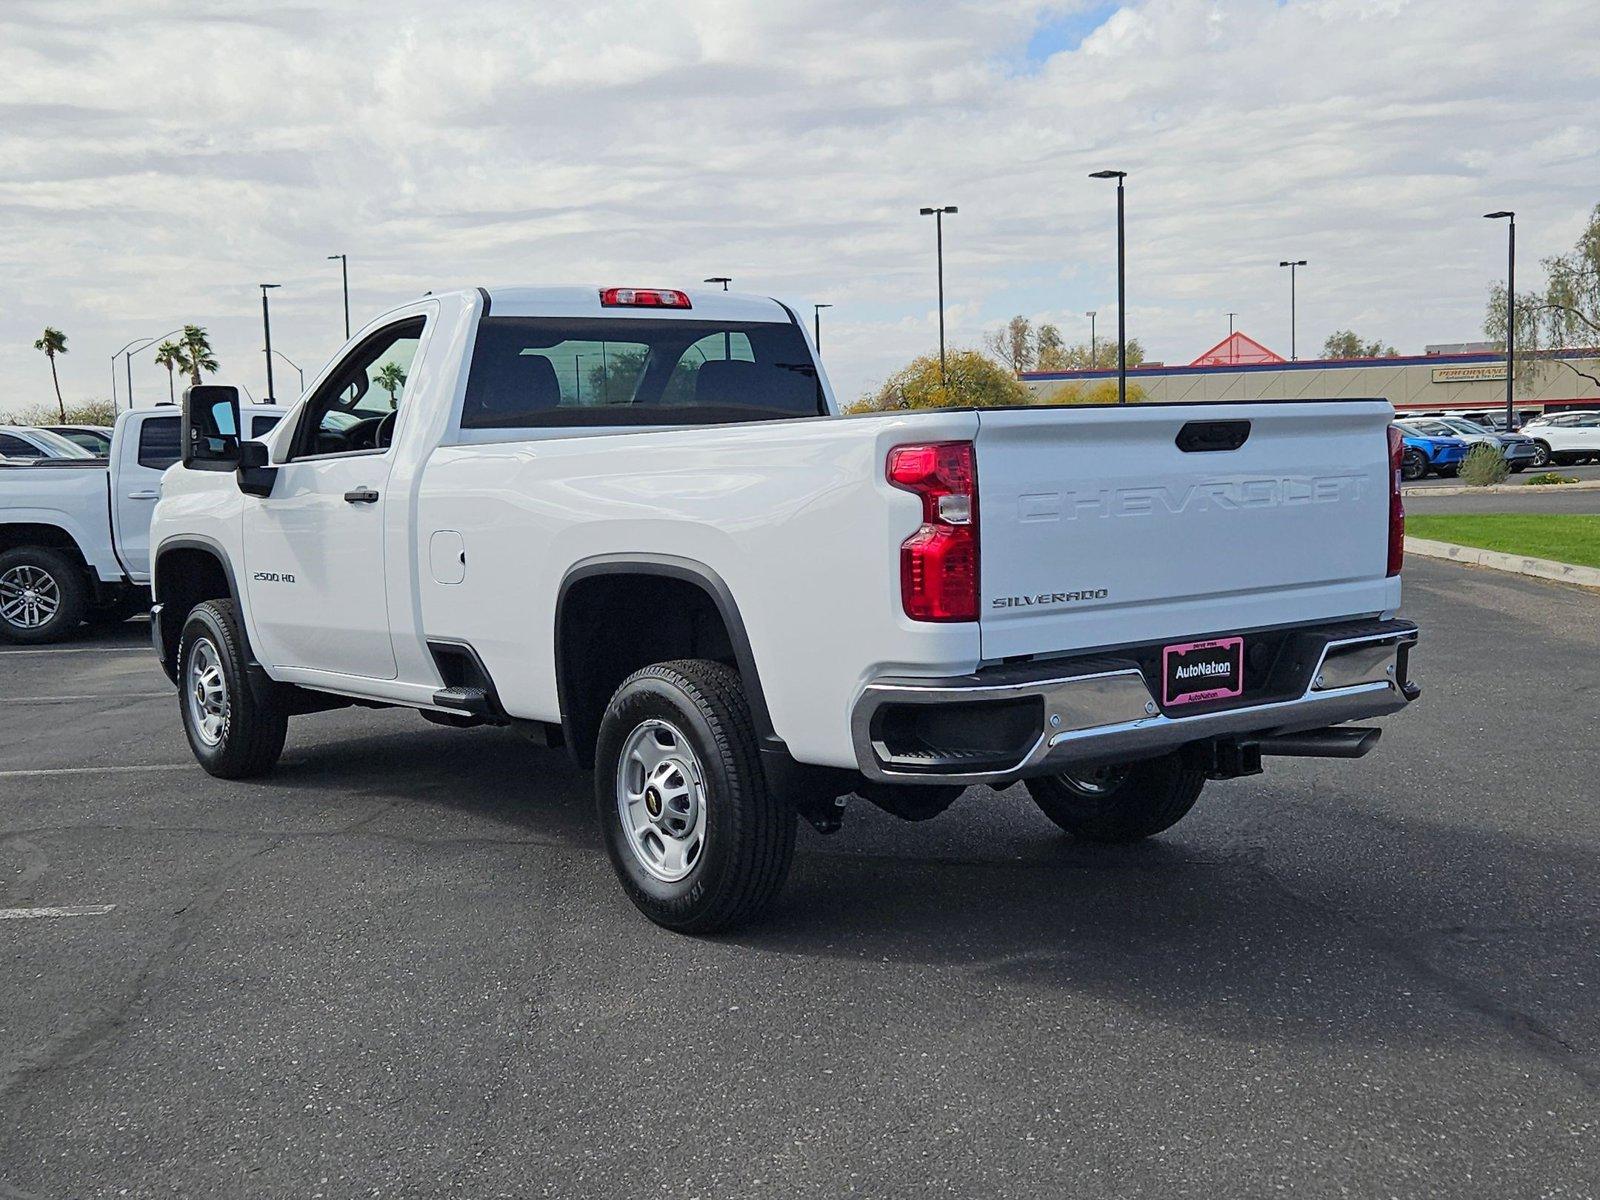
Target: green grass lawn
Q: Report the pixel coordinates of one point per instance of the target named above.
(1563, 537)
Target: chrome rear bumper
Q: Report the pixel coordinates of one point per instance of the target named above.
(1009, 723)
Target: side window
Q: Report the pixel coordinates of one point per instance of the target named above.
(355, 409)
(12, 446)
(261, 424)
(160, 443)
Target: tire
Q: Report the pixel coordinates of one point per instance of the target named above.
(234, 733)
(1119, 804)
(1541, 453)
(43, 595)
(1413, 466)
(677, 752)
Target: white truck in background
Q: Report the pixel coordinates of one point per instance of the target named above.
(632, 522)
(75, 532)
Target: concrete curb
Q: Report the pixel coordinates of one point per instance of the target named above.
(1504, 489)
(1514, 564)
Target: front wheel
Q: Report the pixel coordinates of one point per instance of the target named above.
(1413, 465)
(1541, 454)
(695, 837)
(233, 732)
(1119, 803)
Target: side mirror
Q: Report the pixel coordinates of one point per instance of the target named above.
(211, 427)
(254, 474)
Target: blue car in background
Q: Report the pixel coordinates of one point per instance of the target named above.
(1428, 452)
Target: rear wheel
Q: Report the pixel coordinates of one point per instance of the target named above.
(43, 595)
(1119, 803)
(233, 732)
(696, 839)
(1413, 465)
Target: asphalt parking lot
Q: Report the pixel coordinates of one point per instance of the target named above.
(400, 966)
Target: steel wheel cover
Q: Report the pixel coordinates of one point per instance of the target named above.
(205, 690)
(661, 800)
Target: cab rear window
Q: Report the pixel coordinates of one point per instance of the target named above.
(529, 372)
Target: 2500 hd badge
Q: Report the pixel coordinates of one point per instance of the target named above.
(272, 577)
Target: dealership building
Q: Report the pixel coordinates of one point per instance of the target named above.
(1465, 377)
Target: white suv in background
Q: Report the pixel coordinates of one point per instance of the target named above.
(1569, 437)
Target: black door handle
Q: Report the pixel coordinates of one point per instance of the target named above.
(361, 496)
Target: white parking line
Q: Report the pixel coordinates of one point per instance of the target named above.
(92, 770)
(76, 699)
(82, 650)
(71, 910)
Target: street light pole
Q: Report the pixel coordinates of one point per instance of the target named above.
(1122, 280)
(1233, 355)
(1511, 304)
(128, 352)
(816, 321)
(296, 367)
(1094, 360)
(266, 331)
(938, 234)
(1296, 263)
(344, 273)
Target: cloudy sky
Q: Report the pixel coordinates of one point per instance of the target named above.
(159, 158)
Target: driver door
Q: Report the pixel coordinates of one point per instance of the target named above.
(314, 549)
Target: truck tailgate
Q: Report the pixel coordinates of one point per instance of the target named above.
(1114, 526)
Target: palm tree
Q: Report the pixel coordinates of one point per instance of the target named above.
(391, 379)
(170, 355)
(196, 354)
(54, 342)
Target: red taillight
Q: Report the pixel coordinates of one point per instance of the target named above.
(1397, 508)
(643, 298)
(939, 562)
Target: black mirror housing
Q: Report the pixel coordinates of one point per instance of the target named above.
(211, 427)
(254, 473)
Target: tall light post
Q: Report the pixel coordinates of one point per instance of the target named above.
(1122, 280)
(938, 235)
(1293, 266)
(816, 322)
(266, 332)
(724, 280)
(296, 367)
(1093, 359)
(1232, 354)
(1511, 303)
(344, 273)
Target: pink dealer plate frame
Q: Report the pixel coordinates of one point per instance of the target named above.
(1211, 694)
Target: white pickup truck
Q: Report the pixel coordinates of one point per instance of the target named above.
(75, 532)
(632, 522)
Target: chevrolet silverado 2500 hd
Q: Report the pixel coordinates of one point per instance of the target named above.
(632, 522)
(75, 532)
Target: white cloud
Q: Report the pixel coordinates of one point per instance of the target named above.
(159, 159)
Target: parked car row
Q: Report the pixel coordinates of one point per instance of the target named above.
(1440, 444)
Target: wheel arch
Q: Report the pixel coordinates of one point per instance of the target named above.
(185, 571)
(629, 584)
